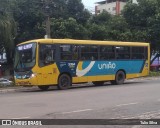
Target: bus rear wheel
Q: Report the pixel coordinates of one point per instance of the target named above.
(119, 79)
(64, 82)
(43, 88)
(98, 83)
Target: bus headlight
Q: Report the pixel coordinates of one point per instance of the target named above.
(33, 75)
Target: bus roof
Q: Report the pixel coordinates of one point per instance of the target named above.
(94, 42)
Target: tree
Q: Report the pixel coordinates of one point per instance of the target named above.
(118, 30)
(68, 28)
(30, 18)
(97, 26)
(98, 32)
(77, 11)
(7, 28)
(143, 20)
(101, 19)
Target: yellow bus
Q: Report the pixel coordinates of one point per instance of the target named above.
(63, 62)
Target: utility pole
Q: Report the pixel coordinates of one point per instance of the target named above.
(48, 30)
(48, 24)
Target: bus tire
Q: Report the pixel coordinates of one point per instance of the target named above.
(119, 79)
(98, 83)
(43, 88)
(64, 82)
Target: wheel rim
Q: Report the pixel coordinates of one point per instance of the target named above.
(64, 81)
(120, 77)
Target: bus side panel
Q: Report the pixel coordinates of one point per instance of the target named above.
(88, 71)
(47, 75)
(71, 67)
(146, 69)
(106, 70)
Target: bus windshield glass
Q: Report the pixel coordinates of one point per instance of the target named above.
(25, 57)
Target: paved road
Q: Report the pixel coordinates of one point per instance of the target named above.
(136, 99)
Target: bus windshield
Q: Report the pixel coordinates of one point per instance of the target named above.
(25, 57)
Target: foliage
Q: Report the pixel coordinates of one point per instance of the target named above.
(118, 29)
(98, 32)
(7, 28)
(143, 20)
(96, 26)
(76, 10)
(154, 73)
(29, 17)
(102, 18)
(68, 28)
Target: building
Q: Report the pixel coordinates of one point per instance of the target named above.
(114, 7)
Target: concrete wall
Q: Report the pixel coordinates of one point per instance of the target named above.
(110, 7)
(113, 7)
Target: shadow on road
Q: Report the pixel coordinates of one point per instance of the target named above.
(83, 86)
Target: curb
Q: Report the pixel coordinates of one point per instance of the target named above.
(14, 89)
(7, 90)
(146, 78)
(4, 90)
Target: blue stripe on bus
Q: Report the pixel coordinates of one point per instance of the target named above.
(102, 67)
(111, 67)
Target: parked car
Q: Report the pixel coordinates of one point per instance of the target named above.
(5, 82)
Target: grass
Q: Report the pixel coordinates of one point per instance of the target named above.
(153, 73)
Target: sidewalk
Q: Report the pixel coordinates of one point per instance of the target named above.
(16, 88)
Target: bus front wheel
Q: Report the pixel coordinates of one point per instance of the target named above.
(43, 88)
(119, 79)
(64, 82)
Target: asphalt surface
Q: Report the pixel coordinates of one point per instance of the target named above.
(136, 99)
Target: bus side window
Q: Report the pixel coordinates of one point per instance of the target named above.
(41, 58)
(75, 52)
(139, 53)
(107, 52)
(122, 52)
(48, 57)
(65, 52)
(89, 52)
(46, 54)
(83, 58)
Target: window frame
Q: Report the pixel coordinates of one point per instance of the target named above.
(39, 50)
(95, 57)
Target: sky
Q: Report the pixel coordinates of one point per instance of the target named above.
(89, 4)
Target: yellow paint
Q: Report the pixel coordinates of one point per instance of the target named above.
(94, 42)
(29, 82)
(80, 65)
(46, 75)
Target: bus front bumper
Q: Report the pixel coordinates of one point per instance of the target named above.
(25, 82)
